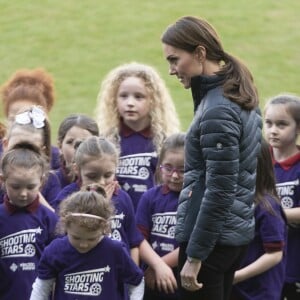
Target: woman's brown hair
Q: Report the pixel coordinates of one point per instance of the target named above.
(187, 33)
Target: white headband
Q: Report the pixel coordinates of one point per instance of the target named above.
(87, 215)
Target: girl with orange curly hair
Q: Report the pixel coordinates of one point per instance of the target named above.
(25, 88)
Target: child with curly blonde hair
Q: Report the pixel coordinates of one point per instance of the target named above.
(135, 110)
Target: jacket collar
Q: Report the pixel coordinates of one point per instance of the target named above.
(201, 84)
(127, 131)
(288, 163)
(165, 190)
(31, 208)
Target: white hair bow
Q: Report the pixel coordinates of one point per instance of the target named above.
(36, 116)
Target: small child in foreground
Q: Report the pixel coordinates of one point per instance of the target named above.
(85, 263)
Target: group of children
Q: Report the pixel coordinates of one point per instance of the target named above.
(94, 217)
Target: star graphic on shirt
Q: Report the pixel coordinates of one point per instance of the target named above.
(107, 269)
(38, 230)
(120, 216)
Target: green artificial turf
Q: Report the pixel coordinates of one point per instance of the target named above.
(78, 42)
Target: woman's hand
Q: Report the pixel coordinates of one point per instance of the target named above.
(189, 275)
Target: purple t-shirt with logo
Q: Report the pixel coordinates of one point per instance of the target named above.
(137, 164)
(23, 237)
(98, 274)
(123, 226)
(156, 213)
(269, 228)
(288, 188)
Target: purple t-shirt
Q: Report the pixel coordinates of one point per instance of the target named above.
(51, 188)
(55, 158)
(61, 177)
(123, 226)
(288, 188)
(269, 228)
(64, 193)
(156, 213)
(137, 164)
(98, 274)
(23, 237)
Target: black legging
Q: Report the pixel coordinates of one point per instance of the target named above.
(216, 273)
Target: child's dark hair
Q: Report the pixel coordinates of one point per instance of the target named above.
(172, 142)
(78, 120)
(23, 155)
(265, 178)
(94, 147)
(89, 201)
(291, 103)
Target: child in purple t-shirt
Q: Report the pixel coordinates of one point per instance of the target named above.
(32, 126)
(86, 264)
(136, 111)
(156, 212)
(26, 226)
(282, 126)
(95, 162)
(73, 130)
(262, 270)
